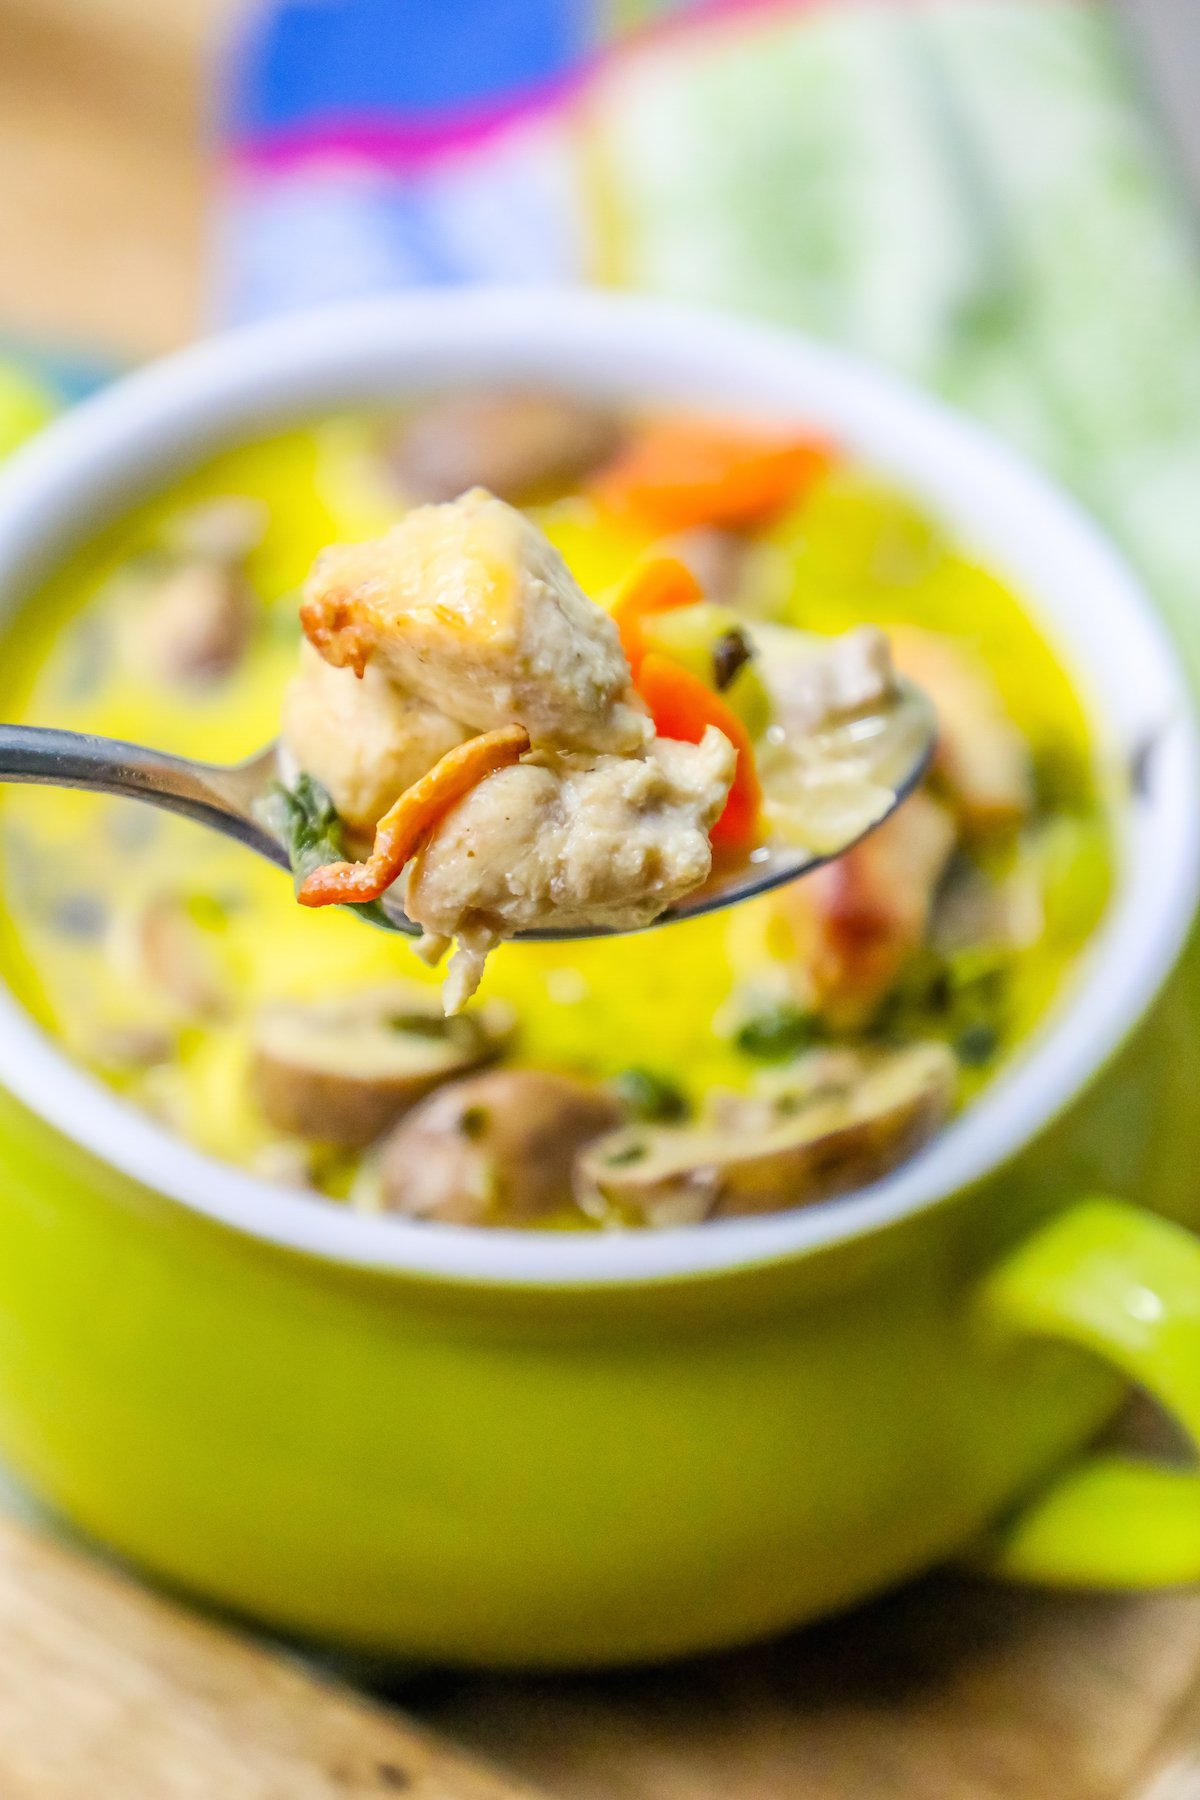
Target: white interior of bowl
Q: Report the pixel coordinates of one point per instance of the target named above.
(134, 438)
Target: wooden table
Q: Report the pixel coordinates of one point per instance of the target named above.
(103, 170)
(948, 1691)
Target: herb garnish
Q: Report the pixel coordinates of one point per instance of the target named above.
(650, 1097)
(780, 1032)
(307, 823)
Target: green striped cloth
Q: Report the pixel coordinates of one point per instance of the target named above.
(970, 190)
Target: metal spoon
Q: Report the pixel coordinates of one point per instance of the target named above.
(893, 745)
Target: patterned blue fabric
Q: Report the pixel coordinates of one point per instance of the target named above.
(305, 63)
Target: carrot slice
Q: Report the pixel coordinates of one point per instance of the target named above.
(680, 473)
(399, 832)
(683, 707)
(655, 587)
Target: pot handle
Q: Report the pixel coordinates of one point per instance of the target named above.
(1126, 1285)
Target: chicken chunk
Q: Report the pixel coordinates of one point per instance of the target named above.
(981, 756)
(565, 842)
(814, 680)
(855, 922)
(468, 606)
(364, 741)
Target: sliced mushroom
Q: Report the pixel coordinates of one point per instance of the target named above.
(523, 446)
(979, 911)
(981, 756)
(343, 1068)
(495, 1149)
(123, 1049)
(194, 606)
(224, 530)
(835, 1131)
(159, 944)
(194, 623)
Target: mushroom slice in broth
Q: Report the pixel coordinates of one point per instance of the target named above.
(497, 1148)
(522, 445)
(342, 1069)
(846, 1119)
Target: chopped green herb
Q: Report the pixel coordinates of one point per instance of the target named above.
(650, 1097)
(307, 823)
(473, 1122)
(1062, 781)
(977, 1045)
(777, 1034)
(419, 1024)
(631, 1153)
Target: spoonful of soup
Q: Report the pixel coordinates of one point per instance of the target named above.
(472, 749)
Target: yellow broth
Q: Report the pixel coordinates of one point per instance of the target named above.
(667, 1001)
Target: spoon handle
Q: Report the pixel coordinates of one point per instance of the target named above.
(215, 796)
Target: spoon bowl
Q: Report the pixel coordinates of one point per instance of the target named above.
(888, 748)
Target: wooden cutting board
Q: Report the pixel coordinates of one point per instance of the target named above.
(947, 1691)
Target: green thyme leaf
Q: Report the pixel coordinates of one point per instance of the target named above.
(307, 823)
(650, 1097)
(778, 1033)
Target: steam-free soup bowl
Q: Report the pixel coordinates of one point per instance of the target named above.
(551, 1449)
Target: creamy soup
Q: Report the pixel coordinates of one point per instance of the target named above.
(772, 1056)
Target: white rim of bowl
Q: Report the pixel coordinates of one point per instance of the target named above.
(135, 436)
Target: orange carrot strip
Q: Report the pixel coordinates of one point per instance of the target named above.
(680, 473)
(399, 833)
(682, 707)
(655, 587)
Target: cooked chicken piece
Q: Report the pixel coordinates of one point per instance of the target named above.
(568, 841)
(521, 446)
(981, 755)
(470, 607)
(856, 921)
(364, 741)
(495, 1148)
(814, 680)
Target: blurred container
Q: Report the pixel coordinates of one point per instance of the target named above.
(376, 144)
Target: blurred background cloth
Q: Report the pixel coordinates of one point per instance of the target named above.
(977, 192)
(972, 191)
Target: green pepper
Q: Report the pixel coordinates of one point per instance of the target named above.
(698, 638)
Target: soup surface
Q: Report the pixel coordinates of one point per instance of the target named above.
(767, 1057)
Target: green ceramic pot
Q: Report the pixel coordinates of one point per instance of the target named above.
(529, 1449)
